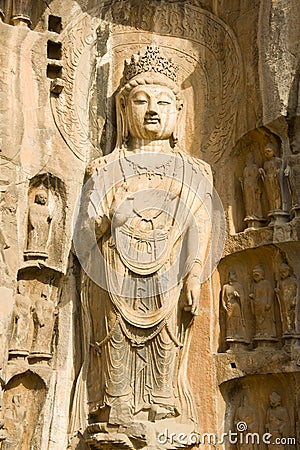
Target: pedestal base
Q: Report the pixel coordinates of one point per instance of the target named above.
(22, 21)
(278, 217)
(265, 341)
(253, 223)
(291, 340)
(39, 356)
(31, 255)
(161, 435)
(17, 354)
(237, 344)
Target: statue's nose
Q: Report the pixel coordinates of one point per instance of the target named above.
(152, 107)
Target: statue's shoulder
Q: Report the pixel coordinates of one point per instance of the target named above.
(198, 164)
(101, 162)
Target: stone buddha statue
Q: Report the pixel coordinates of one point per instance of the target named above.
(146, 220)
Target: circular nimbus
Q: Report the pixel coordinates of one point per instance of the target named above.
(152, 236)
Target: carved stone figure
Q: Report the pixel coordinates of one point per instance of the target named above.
(39, 219)
(271, 173)
(44, 314)
(272, 177)
(3, 433)
(19, 344)
(278, 422)
(15, 420)
(233, 299)
(251, 185)
(141, 222)
(286, 290)
(245, 413)
(262, 303)
(292, 171)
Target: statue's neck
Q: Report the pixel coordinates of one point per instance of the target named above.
(145, 146)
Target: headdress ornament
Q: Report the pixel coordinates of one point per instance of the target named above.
(151, 61)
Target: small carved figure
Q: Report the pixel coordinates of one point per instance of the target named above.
(263, 306)
(3, 433)
(278, 422)
(15, 416)
(246, 414)
(286, 292)
(272, 178)
(44, 314)
(233, 298)
(21, 322)
(39, 219)
(292, 171)
(251, 185)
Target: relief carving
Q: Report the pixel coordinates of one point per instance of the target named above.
(44, 314)
(252, 189)
(278, 422)
(15, 420)
(19, 343)
(233, 300)
(142, 344)
(272, 174)
(246, 414)
(39, 220)
(292, 172)
(262, 304)
(287, 293)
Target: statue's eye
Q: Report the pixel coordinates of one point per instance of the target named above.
(140, 101)
(163, 102)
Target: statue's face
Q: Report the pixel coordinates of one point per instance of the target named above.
(269, 152)
(284, 272)
(151, 112)
(257, 275)
(41, 198)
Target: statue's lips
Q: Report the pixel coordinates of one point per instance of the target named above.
(151, 121)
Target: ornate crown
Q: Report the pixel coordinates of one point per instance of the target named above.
(151, 61)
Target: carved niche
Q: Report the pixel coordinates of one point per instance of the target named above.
(23, 401)
(45, 221)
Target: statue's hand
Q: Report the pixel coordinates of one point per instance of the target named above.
(192, 290)
(262, 172)
(251, 296)
(236, 294)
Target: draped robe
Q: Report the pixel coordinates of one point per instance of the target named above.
(152, 220)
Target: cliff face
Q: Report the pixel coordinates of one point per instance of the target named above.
(61, 64)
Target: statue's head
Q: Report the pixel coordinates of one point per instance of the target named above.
(148, 101)
(284, 270)
(258, 273)
(232, 275)
(270, 150)
(275, 399)
(21, 288)
(41, 196)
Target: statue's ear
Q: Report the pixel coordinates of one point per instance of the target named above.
(175, 135)
(122, 124)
